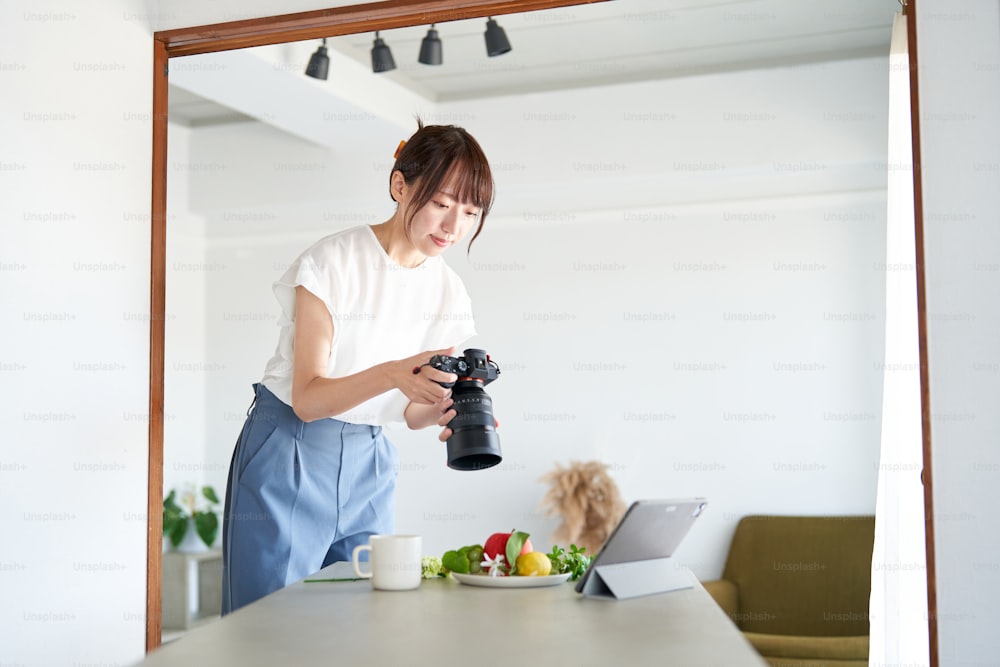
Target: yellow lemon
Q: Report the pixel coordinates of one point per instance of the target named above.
(534, 564)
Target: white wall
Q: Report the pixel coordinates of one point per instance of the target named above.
(75, 183)
(74, 283)
(959, 83)
(682, 279)
(185, 365)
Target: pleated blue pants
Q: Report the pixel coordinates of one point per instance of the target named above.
(300, 496)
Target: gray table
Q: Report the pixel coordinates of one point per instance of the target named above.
(445, 623)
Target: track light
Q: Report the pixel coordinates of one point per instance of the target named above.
(319, 63)
(430, 48)
(382, 60)
(496, 39)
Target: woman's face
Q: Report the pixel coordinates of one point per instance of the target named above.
(442, 222)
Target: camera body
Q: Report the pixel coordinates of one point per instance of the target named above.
(472, 365)
(474, 443)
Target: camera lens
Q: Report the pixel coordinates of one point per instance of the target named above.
(474, 444)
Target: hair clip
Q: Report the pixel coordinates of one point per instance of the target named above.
(399, 149)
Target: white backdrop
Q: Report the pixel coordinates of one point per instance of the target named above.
(693, 296)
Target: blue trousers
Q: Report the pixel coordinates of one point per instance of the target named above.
(300, 496)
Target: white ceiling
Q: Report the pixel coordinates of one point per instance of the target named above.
(630, 40)
(582, 46)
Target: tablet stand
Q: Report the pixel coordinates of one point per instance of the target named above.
(621, 581)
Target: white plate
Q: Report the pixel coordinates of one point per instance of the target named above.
(511, 582)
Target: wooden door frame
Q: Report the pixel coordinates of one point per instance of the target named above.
(910, 12)
(386, 15)
(167, 44)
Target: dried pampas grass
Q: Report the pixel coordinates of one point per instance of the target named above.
(587, 499)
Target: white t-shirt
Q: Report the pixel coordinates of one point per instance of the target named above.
(381, 312)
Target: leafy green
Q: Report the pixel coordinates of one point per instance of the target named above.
(177, 513)
(175, 521)
(207, 525)
(575, 561)
(209, 494)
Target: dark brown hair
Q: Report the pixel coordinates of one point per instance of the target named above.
(432, 156)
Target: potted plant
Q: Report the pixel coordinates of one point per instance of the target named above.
(179, 514)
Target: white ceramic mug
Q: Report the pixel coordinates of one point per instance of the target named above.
(393, 560)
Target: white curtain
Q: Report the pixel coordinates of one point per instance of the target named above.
(898, 607)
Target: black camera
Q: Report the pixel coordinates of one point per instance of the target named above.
(474, 443)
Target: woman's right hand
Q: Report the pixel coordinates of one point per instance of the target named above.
(419, 381)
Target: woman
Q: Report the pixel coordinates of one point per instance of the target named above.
(362, 310)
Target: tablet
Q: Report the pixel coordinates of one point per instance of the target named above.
(650, 529)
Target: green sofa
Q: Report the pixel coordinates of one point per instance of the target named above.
(798, 588)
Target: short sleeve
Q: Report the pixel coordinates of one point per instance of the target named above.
(380, 312)
(310, 274)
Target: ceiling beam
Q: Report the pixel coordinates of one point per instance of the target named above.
(337, 21)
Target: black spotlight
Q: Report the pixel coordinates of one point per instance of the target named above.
(319, 63)
(381, 56)
(496, 39)
(430, 48)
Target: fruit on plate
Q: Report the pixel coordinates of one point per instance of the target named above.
(506, 554)
(467, 560)
(518, 558)
(496, 544)
(534, 564)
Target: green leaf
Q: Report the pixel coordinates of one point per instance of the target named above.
(577, 562)
(456, 562)
(209, 494)
(170, 502)
(558, 559)
(174, 519)
(514, 545)
(207, 526)
(175, 526)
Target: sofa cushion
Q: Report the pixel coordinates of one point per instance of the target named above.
(810, 662)
(809, 648)
(802, 575)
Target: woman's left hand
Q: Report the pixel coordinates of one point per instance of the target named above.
(448, 415)
(422, 415)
